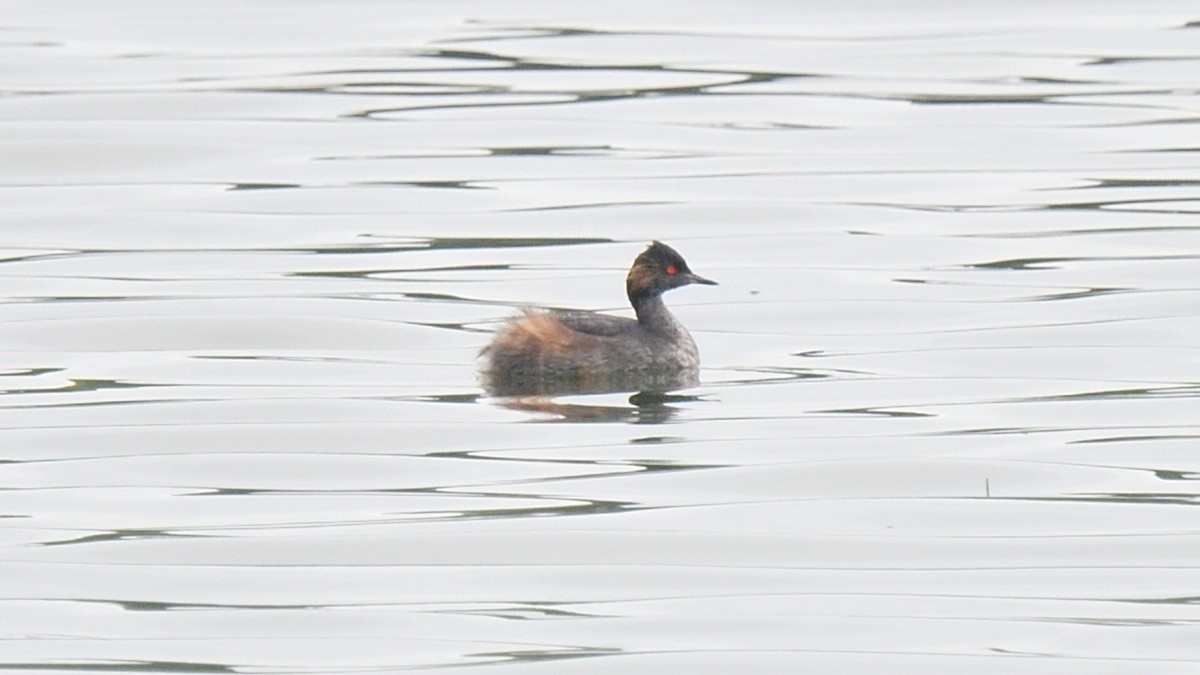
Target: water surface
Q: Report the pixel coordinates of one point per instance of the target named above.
(947, 418)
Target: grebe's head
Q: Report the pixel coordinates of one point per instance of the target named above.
(659, 268)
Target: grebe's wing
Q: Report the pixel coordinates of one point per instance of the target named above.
(600, 325)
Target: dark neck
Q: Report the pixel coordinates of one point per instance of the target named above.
(653, 315)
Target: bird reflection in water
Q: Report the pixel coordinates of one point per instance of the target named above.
(649, 401)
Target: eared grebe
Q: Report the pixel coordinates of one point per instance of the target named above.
(556, 344)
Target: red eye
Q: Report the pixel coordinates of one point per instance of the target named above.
(671, 271)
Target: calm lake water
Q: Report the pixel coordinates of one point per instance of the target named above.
(949, 416)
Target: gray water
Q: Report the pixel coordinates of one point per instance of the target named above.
(948, 416)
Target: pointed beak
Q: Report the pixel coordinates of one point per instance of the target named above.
(697, 279)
